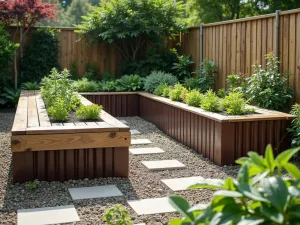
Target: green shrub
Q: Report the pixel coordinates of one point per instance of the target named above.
(156, 78)
(237, 83)
(267, 88)
(207, 76)
(176, 93)
(258, 195)
(294, 130)
(107, 76)
(84, 85)
(116, 215)
(74, 70)
(194, 98)
(30, 86)
(108, 86)
(41, 55)
(130, 83)
(90, 112)
(10, 97)
(191, 83)
(92, 71)
(166, 91)
(221, 93)
(182, 68)
(210, 102)
(234, 104)
(160, 89)
(184, 93)
(7, 51)
(58, 110)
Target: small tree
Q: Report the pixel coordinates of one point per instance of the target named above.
(130, 24)
(24, 14)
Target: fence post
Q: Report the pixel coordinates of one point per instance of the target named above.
(277, 27)
(201, 46)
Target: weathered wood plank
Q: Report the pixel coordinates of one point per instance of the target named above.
(20, 121)
(33, 118)
(42, 112)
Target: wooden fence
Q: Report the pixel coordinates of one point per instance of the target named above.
(235, 45)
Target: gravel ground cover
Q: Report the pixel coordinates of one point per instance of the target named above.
(141, 184)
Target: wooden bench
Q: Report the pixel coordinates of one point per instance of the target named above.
(62, 151)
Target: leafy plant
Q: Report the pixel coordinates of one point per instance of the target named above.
(108, 86)
(41, 54)
(237, 83)
(58, 110)
(10, 97)
(158, 77)
(89, 112)
(84, 85)
(92, 71)
(207, 76)
(33, 185)
(268, 88)
(221, 93)
(130, 83)
(194, 98)
(294, 130)
(117, 215)
(106, 76)
(160, 89)
(181, 68)
(259, 194)
(176, 93)
(166, 91)
(210, 102)
(30, 86)
(235, 104)
(191, 83)
(74, 69)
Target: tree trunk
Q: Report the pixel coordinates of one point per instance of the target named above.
(21, 48)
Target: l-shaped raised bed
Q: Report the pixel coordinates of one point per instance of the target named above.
(220, 138)
(63, 151)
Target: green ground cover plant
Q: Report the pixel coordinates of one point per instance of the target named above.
(116, 215)
(89, 112)
(58, 110)
(176, 92)
(194, 98)
(160, 89)
(210, 102)
(235, 104)
(191, 83)
(30, 86)
(85, 85)
(130, 83)
(156, 78)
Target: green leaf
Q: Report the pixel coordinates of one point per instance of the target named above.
(294, 191)
(269, 158)
(251, 192)
(242, 160)
(233, 194)
(272, 213)
(293, 170)
(181, 205)
(295, 211)
(198, 207)
(179, 222)
(229, 184)
(252, 220)
(243, 174)
(208, 183)
(230, 214)
(259, 177)
(257, 159)
(275, 190)
(285, 156)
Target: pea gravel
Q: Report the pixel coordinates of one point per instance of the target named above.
(141, 184)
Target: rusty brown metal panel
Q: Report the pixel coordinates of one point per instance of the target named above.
(121, 162)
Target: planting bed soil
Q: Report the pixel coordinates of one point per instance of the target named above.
(62, 151)
(220, 138)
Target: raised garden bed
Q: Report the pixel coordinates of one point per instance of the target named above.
(220, 138)
(63, 151)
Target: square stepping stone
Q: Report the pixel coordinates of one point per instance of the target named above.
(135, 132)
(163, 164)
(180, 184)
(49, 215)
(123, 121)
(140, 141)
(151, 206)
(95, 192)
(142, 151)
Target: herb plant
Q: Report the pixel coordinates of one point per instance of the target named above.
(210, 102)
(84, 85)
(160, 89)
(30, 86)
(221, 93)
(182, 68)
(176, 92)
(166, 91)
(259, 194)
(90, 112)
(194, 98)
(191, 83)
(158, 77)
(58, 110)
(234, 104)
(267, 88)
(207, 76)
(108, 86)
(294, 130)
(130, 83)
(116, 215)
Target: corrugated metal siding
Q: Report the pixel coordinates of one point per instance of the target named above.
(62, 165)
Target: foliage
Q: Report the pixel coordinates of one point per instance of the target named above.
(84, 85)
(74, 70)
(184, 93)
(210, 102)
(191, 83)
(41, 54)
(295, 126)
(10, 96)
(221, 93)
(92, 71)
(89, 112)
(160, 89)
(176, 92)
(117, 215)
(33, 185)
(7, 51)
(182, 68)
(108, 86)
(237, 83)
(259, 194)
(234, 104)
(166, 91)
(268, 88)
(207, 76)
(130, 24)
(30, 86)
(106, 76)
(130, 83)
(58, 110)
(156, 78)
(194, 98)
(58, 86)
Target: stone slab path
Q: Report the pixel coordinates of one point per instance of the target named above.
(163, 164)
(180, 184)
(135, 132)
(142, 151)
(95, 192)
(140, 141)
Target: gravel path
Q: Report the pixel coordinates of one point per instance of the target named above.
(141, 184)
